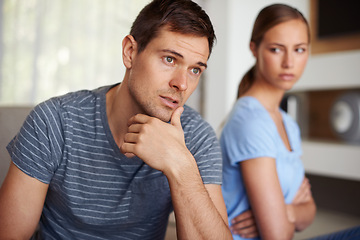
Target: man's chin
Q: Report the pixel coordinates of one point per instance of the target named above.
(163, 116)
(165, 119)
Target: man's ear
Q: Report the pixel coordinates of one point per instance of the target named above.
(253, 49)
(129, 50)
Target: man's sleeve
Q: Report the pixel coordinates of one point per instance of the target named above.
(36, 149)
(205, 148)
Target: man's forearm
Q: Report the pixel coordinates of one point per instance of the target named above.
(196, 215)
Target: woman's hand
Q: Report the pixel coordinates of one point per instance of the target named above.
(301, 211)
(244, 225)
(303, 195)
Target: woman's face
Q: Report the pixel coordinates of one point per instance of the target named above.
(282, 54)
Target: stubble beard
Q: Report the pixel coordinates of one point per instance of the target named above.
(147, 105)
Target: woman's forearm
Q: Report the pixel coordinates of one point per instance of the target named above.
(301, 215)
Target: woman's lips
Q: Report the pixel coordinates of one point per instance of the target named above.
(287, 77)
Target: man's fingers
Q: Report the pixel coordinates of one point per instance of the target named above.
(129, 155)
(175, 117)
(134, 128)
(138, 118)
(131, 138)
(127, 147)
(147, 137)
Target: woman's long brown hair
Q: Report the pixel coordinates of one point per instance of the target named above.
(267, 18)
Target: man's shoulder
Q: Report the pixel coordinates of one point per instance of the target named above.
(67, 106)
(81, 97)
(190, 113)
(193, 123)
(75, 99)
(191, 117)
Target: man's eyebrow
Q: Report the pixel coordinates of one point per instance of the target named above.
(173, 52)
(202, 64)
(181, 56)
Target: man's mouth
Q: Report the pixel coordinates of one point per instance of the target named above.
(170, 102)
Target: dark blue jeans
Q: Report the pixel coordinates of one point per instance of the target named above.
(347, 234)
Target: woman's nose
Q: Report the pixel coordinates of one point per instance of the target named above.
(288, 61)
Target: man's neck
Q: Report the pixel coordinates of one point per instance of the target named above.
(118, 110)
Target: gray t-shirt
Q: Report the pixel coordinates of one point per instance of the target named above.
(95, 192)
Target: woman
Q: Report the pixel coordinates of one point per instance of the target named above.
(264, 186)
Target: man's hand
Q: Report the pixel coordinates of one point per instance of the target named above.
(199, 209)
(244, 225)
(154, 141)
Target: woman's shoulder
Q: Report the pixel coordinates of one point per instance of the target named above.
(248, 109)
(249, 131)
(248, 117)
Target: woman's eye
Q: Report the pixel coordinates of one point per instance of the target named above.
(169, 59)
(300, 50)
(275, 50)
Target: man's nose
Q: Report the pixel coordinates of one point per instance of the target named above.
(179, 80)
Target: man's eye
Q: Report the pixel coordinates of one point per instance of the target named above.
(169, 59)
(196, 70)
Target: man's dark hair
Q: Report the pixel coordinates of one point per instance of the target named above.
(181, 16)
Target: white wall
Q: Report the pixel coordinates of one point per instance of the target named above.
(231, 58)
(332, 70)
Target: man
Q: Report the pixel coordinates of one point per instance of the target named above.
(114, 162)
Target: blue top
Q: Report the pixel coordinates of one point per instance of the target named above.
(251, 133)
(96, 192)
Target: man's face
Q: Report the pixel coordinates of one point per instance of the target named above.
(165, 74)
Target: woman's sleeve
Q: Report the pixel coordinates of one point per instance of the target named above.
(249, 135)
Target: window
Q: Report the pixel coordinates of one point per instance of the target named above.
(51, 47)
